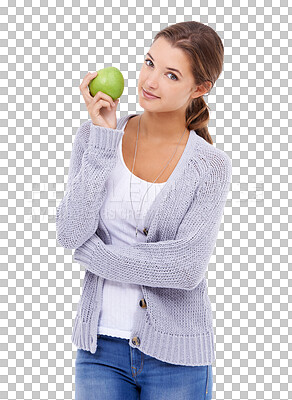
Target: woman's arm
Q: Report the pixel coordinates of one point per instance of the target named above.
(92, 160)
(179, 263)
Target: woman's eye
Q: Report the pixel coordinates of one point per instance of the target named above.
(173, 75)
(176, 78)
(148, 60)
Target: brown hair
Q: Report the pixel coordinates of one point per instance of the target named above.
(205, 51)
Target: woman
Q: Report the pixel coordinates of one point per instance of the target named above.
(143, 327)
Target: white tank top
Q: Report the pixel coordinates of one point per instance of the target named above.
(120, 300)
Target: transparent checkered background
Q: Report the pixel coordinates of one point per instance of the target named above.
(46, 49)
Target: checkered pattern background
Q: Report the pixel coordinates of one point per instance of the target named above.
(46, 50)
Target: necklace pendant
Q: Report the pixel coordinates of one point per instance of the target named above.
(136, 231)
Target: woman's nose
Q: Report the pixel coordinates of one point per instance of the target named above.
(151, 85)
(153, 78)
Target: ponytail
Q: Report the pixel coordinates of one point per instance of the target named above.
(197, 118)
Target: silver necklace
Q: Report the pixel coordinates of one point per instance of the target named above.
(155, 179)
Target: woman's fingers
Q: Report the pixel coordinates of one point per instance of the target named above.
(84, 86)
(102, 96)
(97, 103)
(101, 107)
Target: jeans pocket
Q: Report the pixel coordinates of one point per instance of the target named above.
(209, 383)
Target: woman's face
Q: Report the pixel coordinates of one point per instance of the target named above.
(173, 88)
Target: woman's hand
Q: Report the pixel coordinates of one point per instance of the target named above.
(101, 107)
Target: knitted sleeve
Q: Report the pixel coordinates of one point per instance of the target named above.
(180, 263)
(92, 159)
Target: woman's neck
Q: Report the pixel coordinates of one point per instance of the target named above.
(161, 128)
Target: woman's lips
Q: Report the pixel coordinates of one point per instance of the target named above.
(148, 96)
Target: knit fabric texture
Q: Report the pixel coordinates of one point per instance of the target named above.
(182, 225)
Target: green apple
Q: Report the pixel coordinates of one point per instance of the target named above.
(109, 81)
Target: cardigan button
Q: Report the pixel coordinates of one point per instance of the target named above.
(142, 303)
(145, 230)
(136, 340)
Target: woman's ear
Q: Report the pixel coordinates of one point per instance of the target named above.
(201, 89)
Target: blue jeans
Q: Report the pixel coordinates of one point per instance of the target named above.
(117, 371)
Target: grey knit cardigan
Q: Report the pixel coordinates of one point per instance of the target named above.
(173, 320)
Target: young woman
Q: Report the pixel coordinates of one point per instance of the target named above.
(143, 206)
